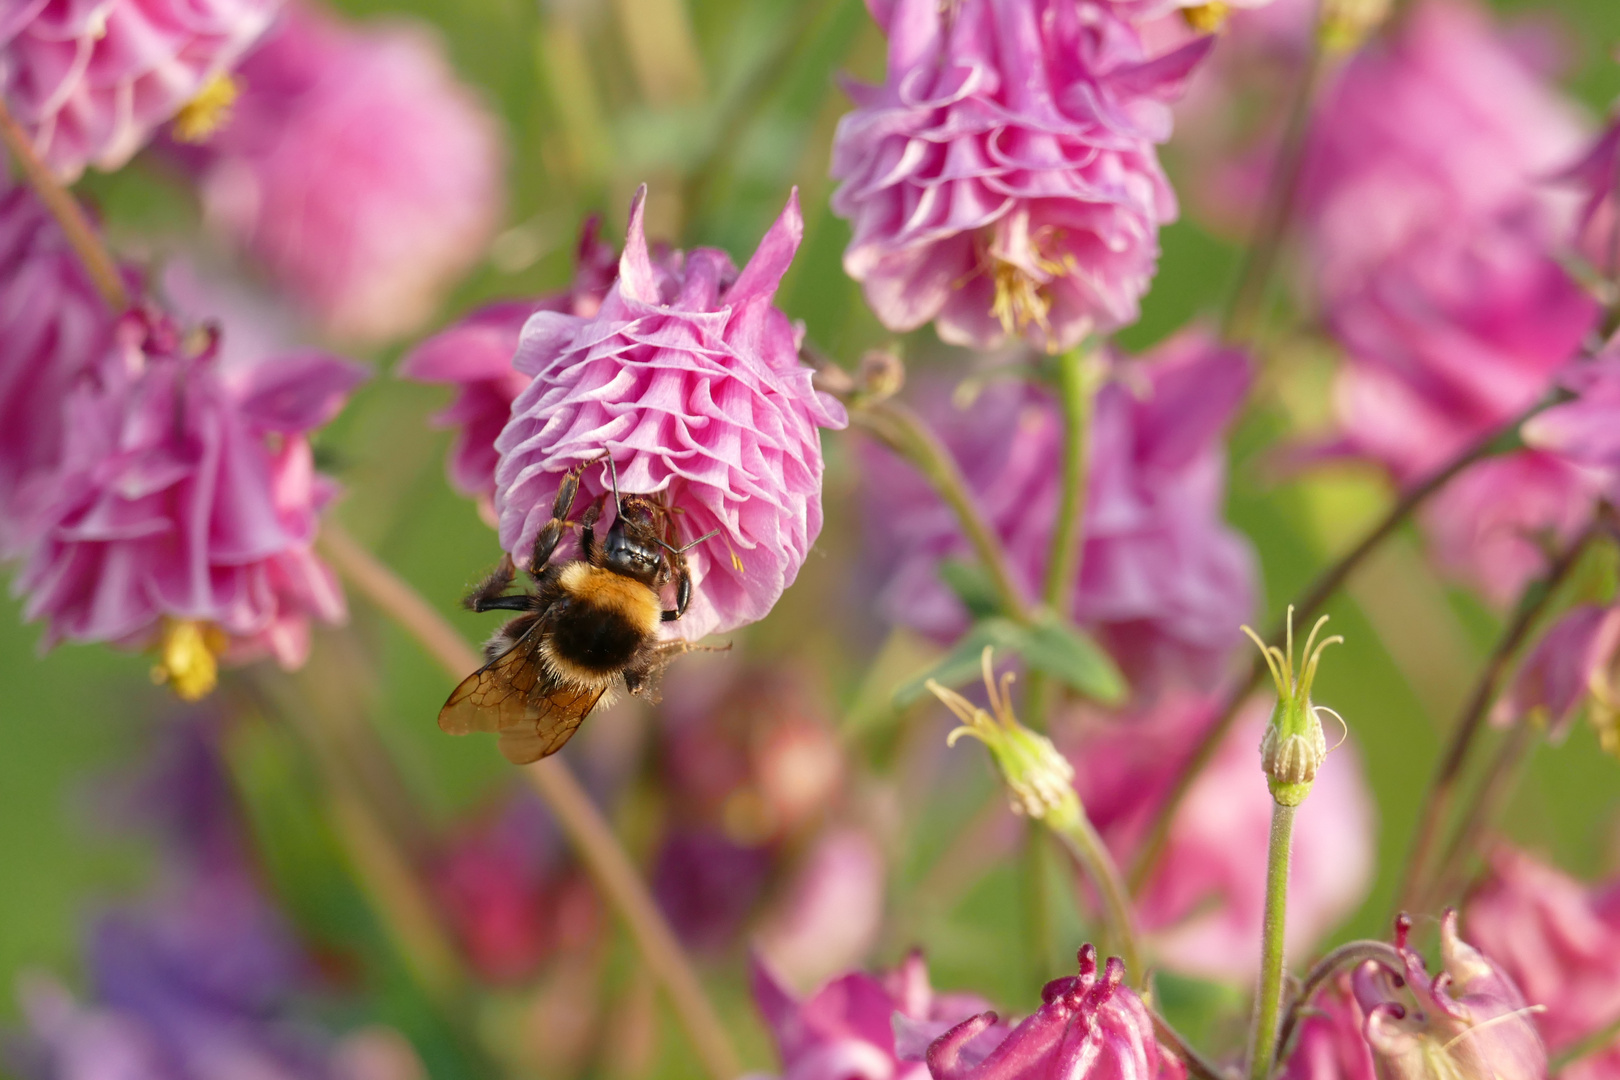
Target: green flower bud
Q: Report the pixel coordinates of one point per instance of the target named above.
(1293, 747)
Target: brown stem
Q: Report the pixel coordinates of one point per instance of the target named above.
(1495, 787)
(1306, 607)
(598, 848)
(1350, 955)
(1197, 1065)
(68, 213)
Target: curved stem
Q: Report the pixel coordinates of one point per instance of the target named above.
(98, 264)
(1087, 848)
(904, 432)
(1345, 957)
(1197, 1065)
(592, 839)
(1306, 607)
(1268, 1002)
(1601, 1039)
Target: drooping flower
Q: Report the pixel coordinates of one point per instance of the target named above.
(1433, 241)
(690, 379)
(183, 512)
(1091, 1025)
(1164, 580)
(1568, 665)
(1203, 906)
(91, 80)
(1468, 1021)
(859, 1026)
(1004, 180)
(408, 189)
(475, 356)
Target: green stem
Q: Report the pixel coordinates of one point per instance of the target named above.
(1601, 1039)
(1088, 850)
(1480, 813)
(1268, 1003)
(1077, 383)
(1040, 940)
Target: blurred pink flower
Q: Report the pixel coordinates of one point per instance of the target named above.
(1432, 236)
(54, 326)
(1003, 181)
(1089, 1027)
(1558, 675)
(690, 378)
(1597, 178)
(187, 494)
(1204, 904)
(1587, 429)
(475, 356)
(829, 915)
(1560, 941)
(408, 186)
(859, 1026)
(91, 80)
(1164, 580)
(1330, 1045)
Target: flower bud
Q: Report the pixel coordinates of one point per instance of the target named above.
(1293, 747)
(881, 375)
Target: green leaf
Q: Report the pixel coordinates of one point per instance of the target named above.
(972, 586)
(961, 665)
(1073, 658)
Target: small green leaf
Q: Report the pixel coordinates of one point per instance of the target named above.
(961, 665)
(972, 586)
(1071, 657)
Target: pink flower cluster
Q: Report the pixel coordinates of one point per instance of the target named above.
(690, 378)
(1164, 581)
(92, 80)
(1003, 181)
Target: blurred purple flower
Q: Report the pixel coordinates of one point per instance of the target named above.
(1587, 429)
(859, 1026)
(1003, 181)
(709, 884)
(1432, 236)
(1204, 904)
(92, 80)
(1330, 1045)
(475, 356)
(828, 915)
(1089, 1026)
(184, 507)
(1560, 941)
(690, 378)
(408, 189)
(1560, 673)
(1164, 581)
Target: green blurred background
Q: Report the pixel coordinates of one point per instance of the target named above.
(721, 108)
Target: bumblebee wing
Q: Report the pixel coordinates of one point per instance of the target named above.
(555, 714)
(497, 695)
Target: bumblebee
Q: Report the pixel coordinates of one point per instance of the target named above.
(589, 624)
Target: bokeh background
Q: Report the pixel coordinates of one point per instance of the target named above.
(721, 106)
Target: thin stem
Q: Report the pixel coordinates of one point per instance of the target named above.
(1088, 850)
(904, 432)
(1483, 810)
(1601, 1039)
(1305, 607)
(1432, 817)
(1198, 1066)
(1263, 1040)
(1040, 939)
(1077, 383)
(1345, 957)
(69, 215)
(610, 867)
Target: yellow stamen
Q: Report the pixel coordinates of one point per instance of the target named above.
(188, 654)
(206, 113)
(1207, 18)
(1019, 300)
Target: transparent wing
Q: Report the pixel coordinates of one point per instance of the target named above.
(513, 697)
(556, 716)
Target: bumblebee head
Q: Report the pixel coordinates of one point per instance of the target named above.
(633, 546)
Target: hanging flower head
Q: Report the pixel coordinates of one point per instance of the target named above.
(1003, 181)
(690, 379)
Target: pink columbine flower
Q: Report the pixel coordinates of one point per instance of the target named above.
(408, 189)
(1468, 1021)
(184, 508)
(1089, 1027)
(1562, 671)
(1204, 904)
(475, 356)
(1433, 235)
(92, 80)
(1003, 181)
(859, 1026)
(1560, 941)
(690, 379)
(1164, 579)
(1330, 1044)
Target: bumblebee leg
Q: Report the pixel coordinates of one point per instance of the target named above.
(683, 588)
(490, 589)
(587, 530)
(551, 533)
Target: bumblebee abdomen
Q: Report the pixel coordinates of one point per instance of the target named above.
(593, 639)
(600, 623)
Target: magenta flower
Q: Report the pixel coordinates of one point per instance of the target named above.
(859, 1026)
(1330, 1044)
(1003, 181)
(184, 508)
(409, 187)
(1562, 671)
(92, 80)
(1089, 1026)
(1433, 238)
(1204, 904)
(1587, 429)
(1560, 941)
(691, 380)
(1164, 580)
(475, 356)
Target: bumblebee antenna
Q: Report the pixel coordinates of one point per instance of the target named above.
(613, 472)
(689, 547)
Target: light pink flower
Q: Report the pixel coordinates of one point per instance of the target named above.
(1560, 941)
(1204, 904)
(829, 915)
(1559, 674)
(475, 356)
(1004, 180)
(1587, 429)
(357, 169)
(91, 80)
(690, 378)
(1164, 581)
(187, 492)
(1432, 236)
(859, 1026)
